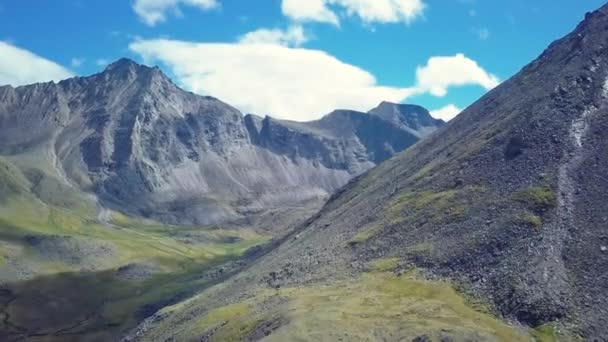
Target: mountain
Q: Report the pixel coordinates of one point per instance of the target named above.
(147, 148)
(412, 118)
(507, 203)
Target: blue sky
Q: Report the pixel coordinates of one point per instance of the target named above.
(294, 59)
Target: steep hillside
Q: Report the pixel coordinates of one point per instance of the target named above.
(145, 147)
(507, 202)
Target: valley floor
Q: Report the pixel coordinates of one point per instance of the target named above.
(67, 275)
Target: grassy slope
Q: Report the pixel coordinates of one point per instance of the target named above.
(376, 306)
(79, 295)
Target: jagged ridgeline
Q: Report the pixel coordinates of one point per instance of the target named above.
(144, 147)
(498, 217)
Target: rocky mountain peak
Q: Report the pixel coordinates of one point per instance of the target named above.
(128, 70)
(126, 64)
(407, 116)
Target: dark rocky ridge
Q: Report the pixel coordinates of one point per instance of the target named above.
(508, 199)
(146, 147)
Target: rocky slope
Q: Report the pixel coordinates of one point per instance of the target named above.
(145, 147)
(508, 200)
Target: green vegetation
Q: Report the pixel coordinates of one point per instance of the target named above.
(422, 200)
(545, 333)
(426, 171)
(531, 220)
(418, 201)
(456, 213)
(86, 280)
(374, 307)
(421, 248)
(132, 240)
(384, 264)
(478, 189)
(12, 181)
(51, 191)
(104, 303)
(549, 333)
(235, 320)
(537, 198)
(89, 305)
(364, 235)
(440, 207)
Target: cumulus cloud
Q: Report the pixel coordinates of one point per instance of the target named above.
(292, 83)
(293, 36)
(443, 72)
(369, 11)
(266, 77)
(309, 10)
(446, 113)
(19, 67)
(153, 12)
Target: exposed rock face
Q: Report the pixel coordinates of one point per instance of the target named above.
(508, 199)
(412, 118)
(146, 147)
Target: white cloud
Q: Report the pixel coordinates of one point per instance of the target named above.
(443, 72)
(382, 11)
(369, 11)
(293, 36)
(292, 83)
(19, 67)
(153, 12)
(76, 62)
(269, 78)
(309, 10)
(446, 113)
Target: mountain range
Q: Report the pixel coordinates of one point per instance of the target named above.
(141, 145)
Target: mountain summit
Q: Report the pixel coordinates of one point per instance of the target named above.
(125, 63)
(409, 117)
